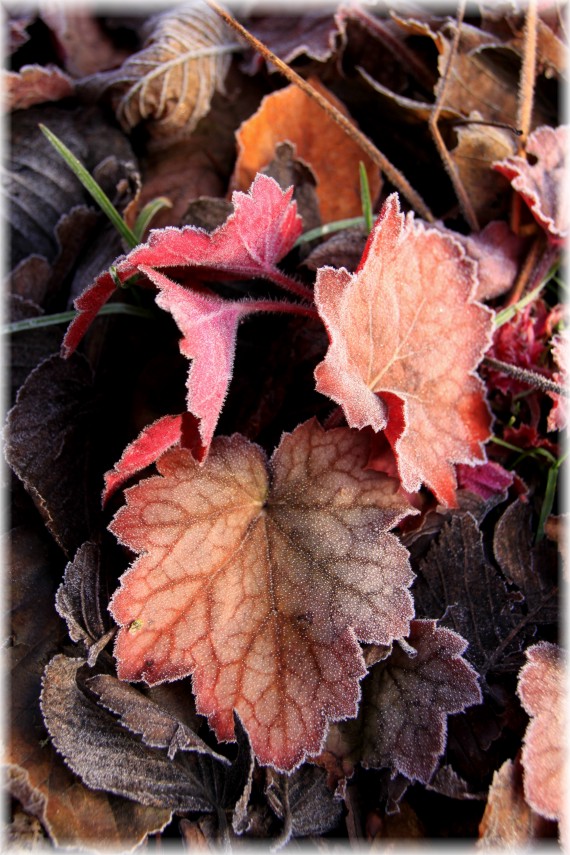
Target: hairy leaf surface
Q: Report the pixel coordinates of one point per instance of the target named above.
(406, 698)
(259, 578)
(541, 690)
(260, 232)
(394, 361)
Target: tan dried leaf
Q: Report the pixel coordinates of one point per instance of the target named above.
(172, 80)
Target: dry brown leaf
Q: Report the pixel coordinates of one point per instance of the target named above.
(172, 80)
(477, 147)
(34, 84)
(508, 821)
(291, 115)
(83, 44)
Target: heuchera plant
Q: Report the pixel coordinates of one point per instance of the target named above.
(259, 577)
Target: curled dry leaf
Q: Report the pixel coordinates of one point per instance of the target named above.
(541, 690)
(290, 115)
(405, 338)
(171, 81)
(260, 232)
(83, 44)
(108, 756)
(542, 182)
(258, 578)
(303, 801)
(34, 84)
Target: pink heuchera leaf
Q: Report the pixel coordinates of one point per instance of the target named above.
(258, 578)
(405, 338)
(497, 251)
(543, 184)
(541, 690)
(260, 232)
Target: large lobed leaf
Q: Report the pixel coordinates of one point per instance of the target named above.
(260, 232)
(405, 338)
(259, 578)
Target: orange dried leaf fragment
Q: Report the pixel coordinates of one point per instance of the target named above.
(258, 578)
(291, 115)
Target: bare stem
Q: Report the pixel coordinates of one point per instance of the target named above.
(528, 73)
(450, 166)
(526, 271)
(391, 172)
(291, 285)
(530, 378)
(251, 306)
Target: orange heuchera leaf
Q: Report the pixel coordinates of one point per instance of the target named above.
(290, 114)
(541, 690)
(405, 338)
(260, 232)
(258, 578)
(542, 184)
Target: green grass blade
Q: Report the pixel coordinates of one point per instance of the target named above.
(329, 229)
(147, 214)
(66, 317)
(91, 186)
(365, 198)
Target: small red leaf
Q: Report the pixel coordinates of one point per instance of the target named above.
(541, 690)
(151, 442)
(258, 579)
(405, 338)
(260, 232)
(542, 184)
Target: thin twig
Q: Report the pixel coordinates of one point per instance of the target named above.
(528, 75)
(529, 378)
(450, 166)
(390, 171)
(525, 100)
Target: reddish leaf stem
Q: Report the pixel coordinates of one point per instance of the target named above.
(291, 285)
(392, 173)
(251, 306)
(526, 271)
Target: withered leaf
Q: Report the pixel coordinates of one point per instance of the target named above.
(171, 81)
(29, 347)
(290, 115)
(341, 250)
(141, 715)
(406, 698)
(532, 569)
(303, 801)
(34, 84)
(73, 815)
(77, 599)
(508, 820)
(458, 585)
(35, 173)
(106, 756)
(47, 445)
(83, 44)
(258, 579)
